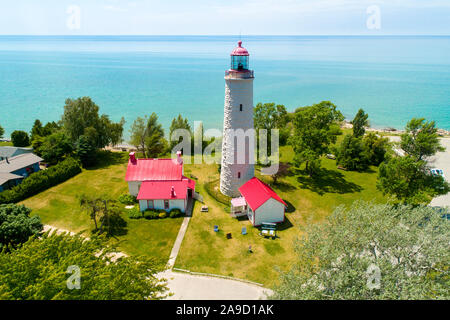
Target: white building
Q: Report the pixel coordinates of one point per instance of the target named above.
(237, 155)
(259, 202)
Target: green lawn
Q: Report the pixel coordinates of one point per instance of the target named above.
(310, 200)
(5, 144)
(59, 207)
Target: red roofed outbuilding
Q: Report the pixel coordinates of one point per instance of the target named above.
(159, 183)
(263, 205)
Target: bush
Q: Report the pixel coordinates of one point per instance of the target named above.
(20, 138)
(127, 199)
(135, 213)
(162, 215)
(351, 154)
(151, 214)
(175, 213)
(41, 180)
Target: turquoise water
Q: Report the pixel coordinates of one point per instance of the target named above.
(392, 78)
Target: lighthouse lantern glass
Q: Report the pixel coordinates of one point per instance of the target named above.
(239, 62)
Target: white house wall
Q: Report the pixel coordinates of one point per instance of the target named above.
(133, 187)
(159, 204)
(271, 211)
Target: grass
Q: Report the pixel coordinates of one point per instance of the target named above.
(5, 144)
(59, 207)
(310, 200)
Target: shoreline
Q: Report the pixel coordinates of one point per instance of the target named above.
(394, 131)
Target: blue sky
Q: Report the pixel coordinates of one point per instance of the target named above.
(224, 17)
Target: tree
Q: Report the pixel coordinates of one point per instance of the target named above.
(359, 122)
(409, 180)
(351, 154)
(283, 170)
(2, 132)
(138, 133)
(154, 139)
(178, 123)
(85, 151)
(40, 270)
(92, 205)
(81, 114)
(315, 129)
(37, 130)
(376, 148)
(20, 138)
(269, 116)
(55, 147)
(420, 139)
(371, 251)
(16, 225)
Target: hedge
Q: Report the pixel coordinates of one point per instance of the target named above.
(127, 199)
(41, 180)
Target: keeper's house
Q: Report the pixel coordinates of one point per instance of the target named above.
(14, 170)
(159, 183)
(259, 202)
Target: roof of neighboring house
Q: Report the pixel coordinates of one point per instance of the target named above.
(162, 190)
(257, 193)
(154, 169)
(19, 162)
(9, 152)
(5, 177)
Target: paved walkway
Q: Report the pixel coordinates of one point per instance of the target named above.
(192, 287)
(181, 233)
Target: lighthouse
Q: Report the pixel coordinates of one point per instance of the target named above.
(237, 165)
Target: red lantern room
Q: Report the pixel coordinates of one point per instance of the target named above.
(239, 58)
(239, 68)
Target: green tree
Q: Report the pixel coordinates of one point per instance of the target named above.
(56, 147)
(269, 116)
(20, 138)
(359, 122)
(2, 132)
(37, 130)
(340, 258)
(410, 180)
(138, 133)
(16, 225)
(315, 128)
(85, 151)
(376, 148)
(178, 123)
(83, 113)
(154, 140)
(351, 154)
(420, 139)
(38, 270)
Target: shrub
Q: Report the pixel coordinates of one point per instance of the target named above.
(135, 213)
(151, 214)
(175, 213)
(41, 180)
(20, 138)
(162, 215)
(127, 199)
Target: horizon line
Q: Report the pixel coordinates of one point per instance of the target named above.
(224, 35)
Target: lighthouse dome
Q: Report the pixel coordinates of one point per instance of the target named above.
(239, 50)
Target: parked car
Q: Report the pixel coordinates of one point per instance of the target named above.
(437, 172)
(331, 156)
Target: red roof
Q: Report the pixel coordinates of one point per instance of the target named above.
(257, 193)
(239, 50)
(154, 169)
(162, 190)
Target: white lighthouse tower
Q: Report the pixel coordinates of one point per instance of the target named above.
(238, 114)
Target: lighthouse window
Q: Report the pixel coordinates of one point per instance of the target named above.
(239, 175)
(240, 107)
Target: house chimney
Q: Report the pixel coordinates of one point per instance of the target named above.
(172, 192)
(179, 157)
(133, 158)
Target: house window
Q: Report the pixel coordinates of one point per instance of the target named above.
(239, 175)
(166, 204)
(240, 107)
(150, 204)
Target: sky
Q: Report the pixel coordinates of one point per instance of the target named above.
(225, 17)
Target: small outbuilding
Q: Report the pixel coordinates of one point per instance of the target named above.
(259, 202)
(14, 170)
